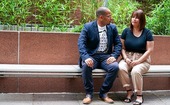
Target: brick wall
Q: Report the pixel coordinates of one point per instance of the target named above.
(61, 48)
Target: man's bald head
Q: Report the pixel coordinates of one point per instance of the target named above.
(101, 11)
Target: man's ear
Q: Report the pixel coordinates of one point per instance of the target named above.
(101, 16)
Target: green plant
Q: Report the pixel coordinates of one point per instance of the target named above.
(14, 12)
(77, 28)
(121, 12)
(50, 14)
(88, 8)
(148, 5)
(54, 13)
(47, 13)
(159, 21)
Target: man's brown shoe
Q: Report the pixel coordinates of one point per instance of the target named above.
(87, 100)
(107, 99)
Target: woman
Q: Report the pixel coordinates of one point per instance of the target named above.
(137, 43)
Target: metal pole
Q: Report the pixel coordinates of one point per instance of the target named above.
(105, 3)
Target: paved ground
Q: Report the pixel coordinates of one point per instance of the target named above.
(150, 98)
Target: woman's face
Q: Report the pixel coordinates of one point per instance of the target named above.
(135, 21)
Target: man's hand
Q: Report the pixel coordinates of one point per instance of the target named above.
(111, 60)
(89, 62)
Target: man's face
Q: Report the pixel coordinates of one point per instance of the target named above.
(107, 18)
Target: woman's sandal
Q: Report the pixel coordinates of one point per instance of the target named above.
(137, 102)
(128, 100)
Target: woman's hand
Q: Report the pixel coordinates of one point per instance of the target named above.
(128, 61)
(134, 63)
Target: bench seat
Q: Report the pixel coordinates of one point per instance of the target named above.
(67, 71)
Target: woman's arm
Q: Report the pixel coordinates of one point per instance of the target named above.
(123, 49)
(149, 50)
(127, 60)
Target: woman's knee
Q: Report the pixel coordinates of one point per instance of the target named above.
(139, 70)
(135, 72)
(123, 66)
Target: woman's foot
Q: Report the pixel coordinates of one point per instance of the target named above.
(130, 94)
(139, 100)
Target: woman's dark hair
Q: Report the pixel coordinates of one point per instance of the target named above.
(141, 16)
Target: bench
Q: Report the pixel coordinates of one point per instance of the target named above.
(66, 71)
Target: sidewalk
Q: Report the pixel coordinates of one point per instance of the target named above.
(150, 98)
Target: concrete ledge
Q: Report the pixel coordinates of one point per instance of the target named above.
(66, 71)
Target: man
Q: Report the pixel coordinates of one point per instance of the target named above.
(99, 47)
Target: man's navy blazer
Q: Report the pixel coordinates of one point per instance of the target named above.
(88, 42)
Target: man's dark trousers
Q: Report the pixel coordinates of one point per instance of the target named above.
(100, 61)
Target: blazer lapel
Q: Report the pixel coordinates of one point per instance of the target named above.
(108, 34)
(96, 31)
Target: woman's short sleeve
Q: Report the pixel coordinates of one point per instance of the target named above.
(149, 35)
(123, 36)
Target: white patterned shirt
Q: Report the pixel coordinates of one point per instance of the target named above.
(103, 39)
